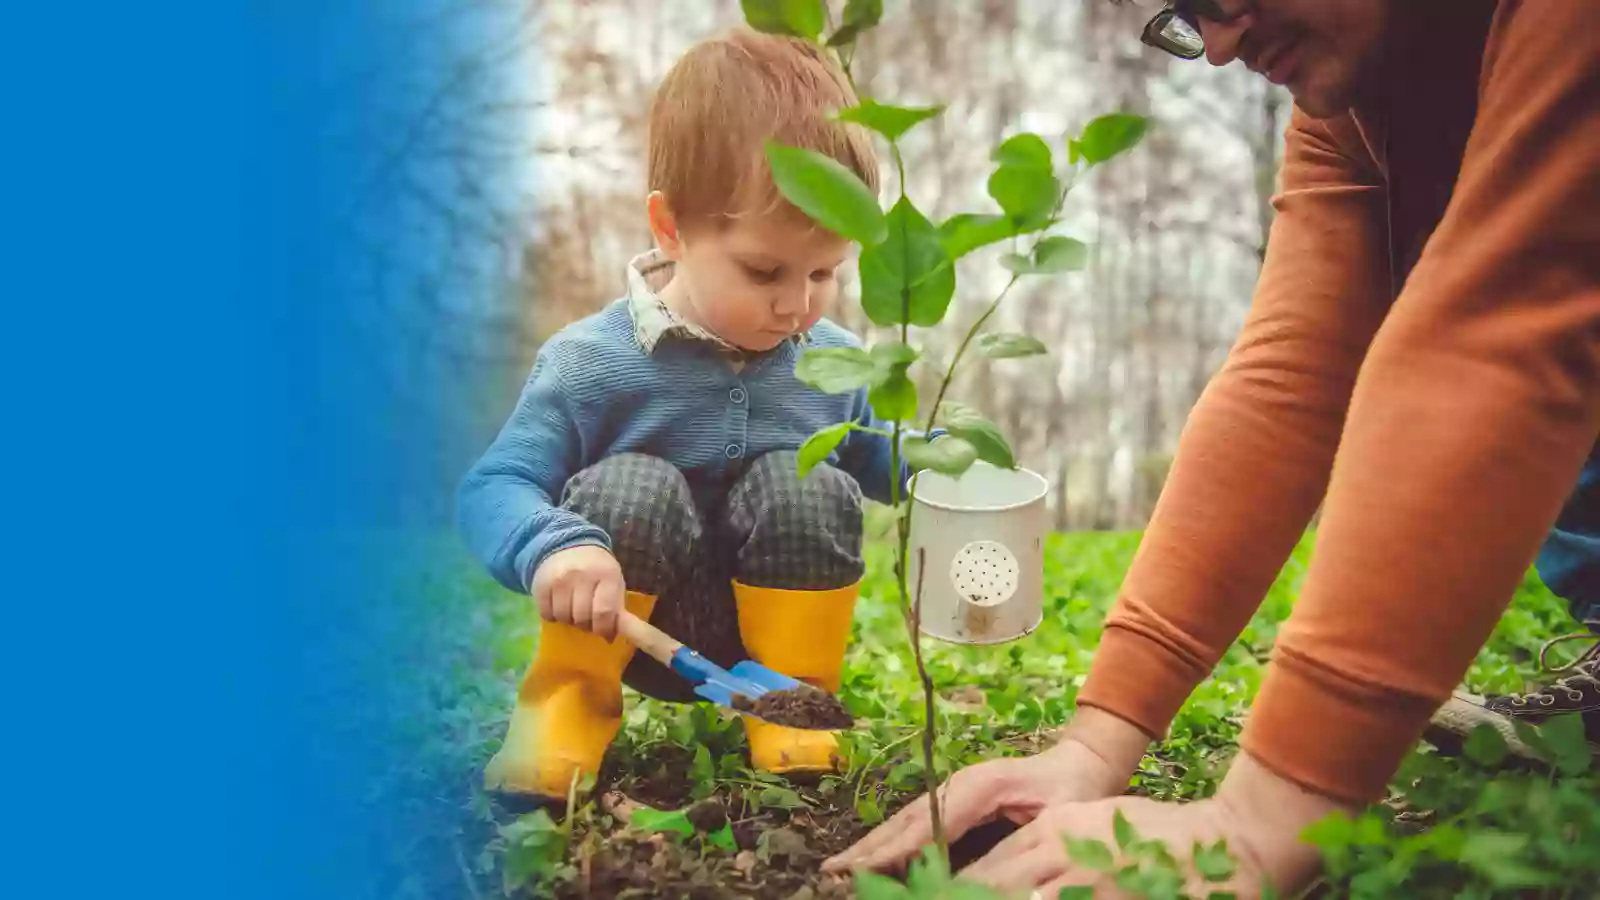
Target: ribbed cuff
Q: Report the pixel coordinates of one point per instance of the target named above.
(1138, 680)
(1328, 734)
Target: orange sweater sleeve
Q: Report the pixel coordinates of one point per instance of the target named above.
(1469, 423)
(1255, 454)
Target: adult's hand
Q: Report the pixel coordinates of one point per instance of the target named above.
(1094, 759)
(1259, 815)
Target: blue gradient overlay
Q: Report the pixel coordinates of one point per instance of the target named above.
(245, 358)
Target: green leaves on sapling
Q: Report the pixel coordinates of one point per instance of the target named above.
(894, 394)
(1025, 184)
(836, 370)
(963, 233)
(1008, 345)
(859, 17)
(817, 447)
(828, 192)
(908, 278)
(949, 455)
(1107, 137)
(1050, 256)
(988, 444)
(801, 18)
(890, 121)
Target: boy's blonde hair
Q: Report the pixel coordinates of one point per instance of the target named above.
(723, 99)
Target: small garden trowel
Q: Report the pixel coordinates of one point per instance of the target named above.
(710, 680)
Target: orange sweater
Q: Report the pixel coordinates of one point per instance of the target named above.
(1422, 357)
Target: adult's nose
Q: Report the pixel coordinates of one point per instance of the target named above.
(1222, 39)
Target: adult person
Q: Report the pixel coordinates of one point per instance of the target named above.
(1421, 358)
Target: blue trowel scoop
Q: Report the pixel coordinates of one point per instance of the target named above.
(746, 679)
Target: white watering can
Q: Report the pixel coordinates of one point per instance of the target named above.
(982, 535)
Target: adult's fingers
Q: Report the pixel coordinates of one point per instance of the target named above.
(1021, 870)
(1004, 854)
(970, 796)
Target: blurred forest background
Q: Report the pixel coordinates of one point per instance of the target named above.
(525, 154)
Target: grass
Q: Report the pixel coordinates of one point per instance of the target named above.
(1452, 827)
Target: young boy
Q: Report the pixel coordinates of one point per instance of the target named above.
(650, 463)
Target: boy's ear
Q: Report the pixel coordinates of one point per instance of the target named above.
(663, 225)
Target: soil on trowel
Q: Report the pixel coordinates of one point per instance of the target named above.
(801, 707)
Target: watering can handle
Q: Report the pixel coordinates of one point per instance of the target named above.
(656, 644)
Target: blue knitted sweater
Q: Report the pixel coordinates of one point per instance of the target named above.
(595, 391)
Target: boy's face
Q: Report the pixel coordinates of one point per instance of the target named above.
(756, 281)
(1323, 51)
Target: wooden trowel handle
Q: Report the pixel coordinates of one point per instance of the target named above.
(657, 644)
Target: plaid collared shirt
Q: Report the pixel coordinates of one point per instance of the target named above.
(653, 320)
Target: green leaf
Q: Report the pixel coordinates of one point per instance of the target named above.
(1028, 194)
(824, 189)
(1110, 135)
(1079, 892)
(949, 455)
(1486, 746)
(781, 798)
(672, 820)
(1214, 863)
(965, 232)
(1005, 345)
(966, 423)
(765, 15)
(859, 17)
(801, 18)
(702, 769)
(806, 18)
(911, 256)
(895, 398)
(1495, 854)
(1564, 736)
(817, 447)
(535, 847)
(836, 370)
(1123, 830)
(1091, 854)
(893, 353)
(889, 121)
(723, 837)
(1050, 256)
(1060, 254)
(869, 811)
(1026, 150)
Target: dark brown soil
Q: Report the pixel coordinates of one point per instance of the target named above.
(801, 707)
(779, 856)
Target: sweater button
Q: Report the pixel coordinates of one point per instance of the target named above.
(736, 395)
(733, 451)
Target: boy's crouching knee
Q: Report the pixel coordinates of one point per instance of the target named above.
(644, 504)
(796, 533)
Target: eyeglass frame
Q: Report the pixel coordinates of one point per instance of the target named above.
(1190, 12)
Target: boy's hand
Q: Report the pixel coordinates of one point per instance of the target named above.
(581, 586)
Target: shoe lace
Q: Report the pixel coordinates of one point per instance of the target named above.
(1585, 669)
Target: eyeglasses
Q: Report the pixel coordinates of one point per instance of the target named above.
(1176, 28)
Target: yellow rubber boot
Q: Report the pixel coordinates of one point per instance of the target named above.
(802, 634)
(568, 710)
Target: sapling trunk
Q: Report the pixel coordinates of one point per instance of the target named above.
(1024, 180)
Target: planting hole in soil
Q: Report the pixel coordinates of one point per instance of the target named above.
(801, 707)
